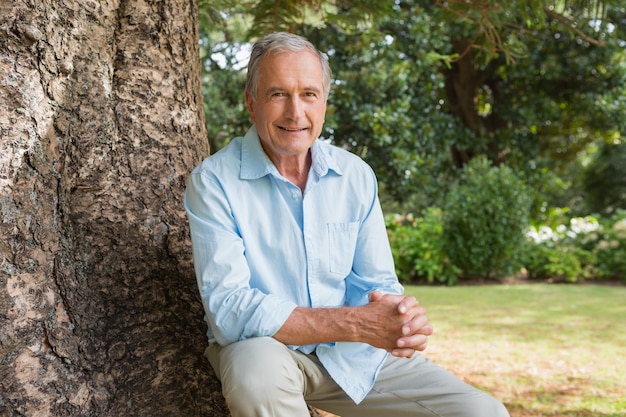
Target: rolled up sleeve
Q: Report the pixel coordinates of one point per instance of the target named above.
(234, 310)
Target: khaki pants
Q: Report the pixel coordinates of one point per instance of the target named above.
(262, 377)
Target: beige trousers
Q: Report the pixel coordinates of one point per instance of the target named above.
(261, 377)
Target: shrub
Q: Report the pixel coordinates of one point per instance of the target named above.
(608, 244)
(485, 217)
(417, 246)
(549, 260)
(581, 248)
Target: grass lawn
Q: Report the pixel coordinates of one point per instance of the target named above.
(543, 349)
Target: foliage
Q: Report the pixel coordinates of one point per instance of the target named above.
(578, 249)
(538, 115)
(566, 249)
(611, 251)
(291, 15)
(417, 246)
(605, 179)
(485, 217)
(559, 101)
(223, 54)
(539, 88)
(608, 245)
(496, 28)
(385, 105)
(556, 262)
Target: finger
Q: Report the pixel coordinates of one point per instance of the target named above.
(412, 342)
(422, 347)
(428, 330)
(403, 353)
(418, 324)
(407, 304)
(425, 329)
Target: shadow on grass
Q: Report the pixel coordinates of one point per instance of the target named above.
(516, 410)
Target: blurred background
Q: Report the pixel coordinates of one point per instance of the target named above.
(496, 129)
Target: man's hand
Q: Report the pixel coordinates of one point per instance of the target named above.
(407, 325)
(396, 323)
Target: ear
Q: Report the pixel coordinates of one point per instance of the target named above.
(250, 105)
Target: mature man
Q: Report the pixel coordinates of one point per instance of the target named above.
(294, 265)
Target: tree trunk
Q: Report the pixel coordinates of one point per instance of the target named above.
(463, 81)
(101, 119)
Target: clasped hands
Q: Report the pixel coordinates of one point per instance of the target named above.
(397, 323)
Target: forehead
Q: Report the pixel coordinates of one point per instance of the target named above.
(300, 67)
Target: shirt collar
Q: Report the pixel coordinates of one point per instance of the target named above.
(256, 164)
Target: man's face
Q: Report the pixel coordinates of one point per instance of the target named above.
(290, 104)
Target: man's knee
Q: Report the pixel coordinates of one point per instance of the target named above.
(258, 370)
(486, 406)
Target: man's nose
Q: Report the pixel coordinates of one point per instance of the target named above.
(295, 107)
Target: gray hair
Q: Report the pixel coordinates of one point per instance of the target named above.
(276, 43)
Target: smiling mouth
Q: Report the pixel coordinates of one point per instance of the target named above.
(292, 129)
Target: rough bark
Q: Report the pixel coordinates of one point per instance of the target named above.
(101, 119)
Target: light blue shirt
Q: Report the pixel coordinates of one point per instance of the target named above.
(261, 248)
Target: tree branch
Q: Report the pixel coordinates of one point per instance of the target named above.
(570, 25)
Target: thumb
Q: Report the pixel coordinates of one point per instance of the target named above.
(375, 296)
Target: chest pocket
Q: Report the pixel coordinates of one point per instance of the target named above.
(342, 239)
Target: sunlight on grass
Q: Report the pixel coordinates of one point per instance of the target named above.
(544, 350)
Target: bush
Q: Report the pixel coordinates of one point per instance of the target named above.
(611, 259)
(417, 247)
(485, 217)
(608, 244)
(556, 261)
(581, 248)
(569, 250)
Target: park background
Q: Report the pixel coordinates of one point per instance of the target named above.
(496, 131)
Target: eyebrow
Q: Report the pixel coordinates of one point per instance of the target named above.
(272, 90)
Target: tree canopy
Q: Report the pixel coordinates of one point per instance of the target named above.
(421, 88)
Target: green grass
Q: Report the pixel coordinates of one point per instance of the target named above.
(543, 349)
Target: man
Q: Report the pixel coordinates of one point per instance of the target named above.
(295, 269)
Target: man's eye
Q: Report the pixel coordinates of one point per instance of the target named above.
(279, 95)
